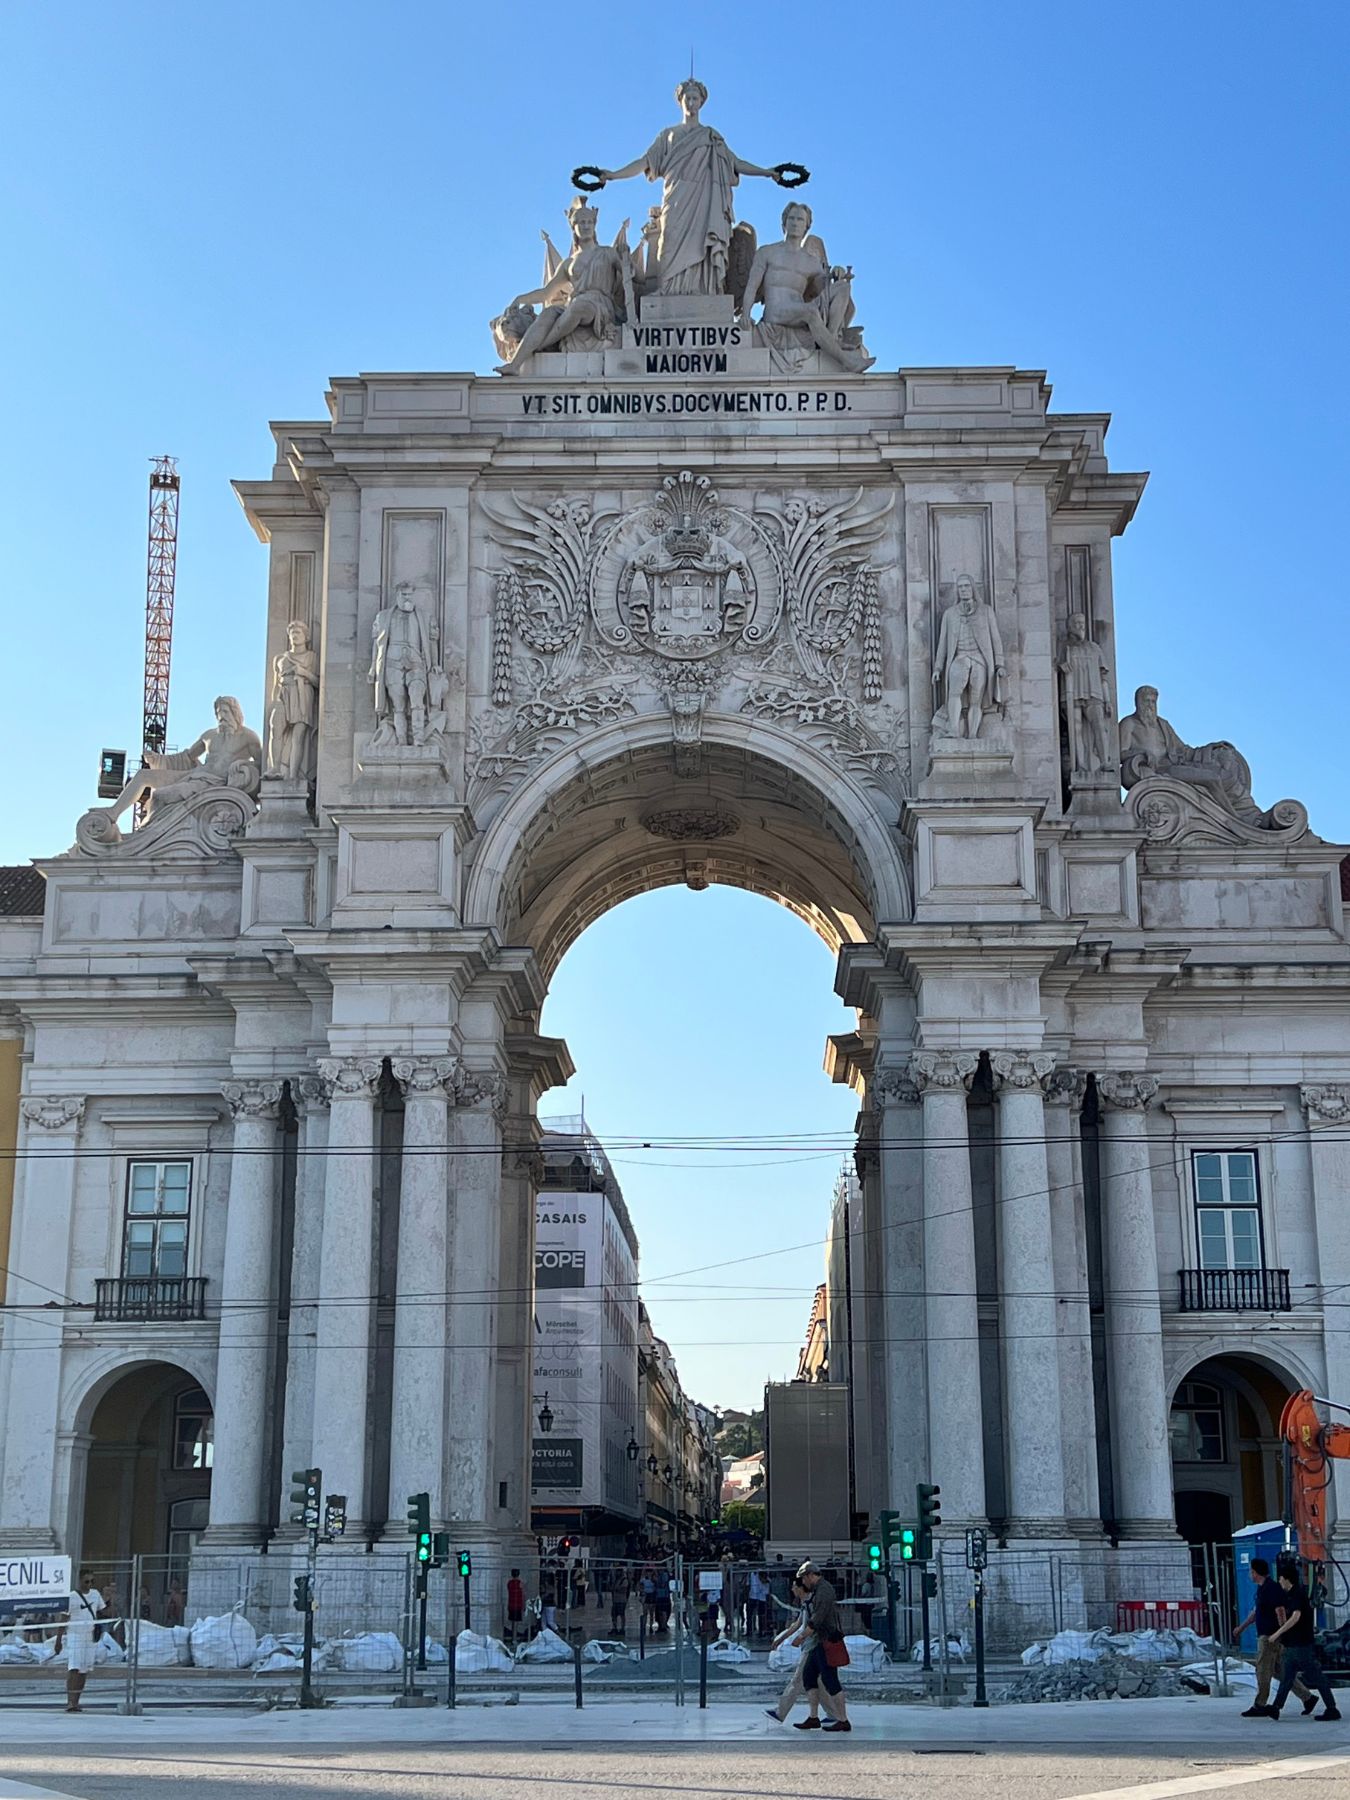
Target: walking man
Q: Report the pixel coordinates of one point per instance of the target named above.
(824, 1659)
(1300, 1658)
(515, 1607)
(618, 1600)
(1267, 1612)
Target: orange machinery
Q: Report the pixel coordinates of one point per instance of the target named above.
(1311, 1443)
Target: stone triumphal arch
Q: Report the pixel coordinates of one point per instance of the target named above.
(690, 593)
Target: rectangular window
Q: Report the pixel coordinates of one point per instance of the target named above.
(1228, 1209)
(154, 1244)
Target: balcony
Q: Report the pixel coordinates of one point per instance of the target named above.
(150, 1299)
(1234, 1290)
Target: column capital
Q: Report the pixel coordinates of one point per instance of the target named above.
(1325, 1105)
(1023, 1071)
(484, 1089)
(1066, 1087)
(894, 1085)
(52, 1112)
(1122, 1090)
(252, 1099)
(427, 1075)
(350, 1076)
(943, 1071)
(311, 1093)
(529, 1163)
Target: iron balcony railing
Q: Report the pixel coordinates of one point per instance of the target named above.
(150, 1297)
(1234, 1290)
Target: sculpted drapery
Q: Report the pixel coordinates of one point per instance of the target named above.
(698, 171)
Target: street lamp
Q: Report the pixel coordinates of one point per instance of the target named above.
(633, 1451)
(666, 1474)
(651, 1464)
(545, 1416)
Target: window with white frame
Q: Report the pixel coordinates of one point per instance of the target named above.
(155, 1239)
(1227, 1209)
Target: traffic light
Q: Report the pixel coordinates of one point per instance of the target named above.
(875, 1558)
(465, 1565)
(335, 1515)
(440, 1549)
(305, 1486)
(930, 1517)
(419, 1514)
(302, 1593)
(907, 1544)
(890, 1529)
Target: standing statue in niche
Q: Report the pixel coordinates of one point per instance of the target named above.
(807, 303)
(968, 670)
(401, 668)
(1086, 686)
(1149, 746)
(698, 170)
(228, 755)
(295, 698)
(583, 301)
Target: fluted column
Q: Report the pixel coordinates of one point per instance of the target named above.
(1068, 1243)
(417, 1447)
(471, 1328)
(899, 1261)
(311, 1096)
(1141, 1453)
(1327, 1110)
(247, 1296)
(1028, 1330)
(344, 1334)
(30, 1360)
(955, 1416)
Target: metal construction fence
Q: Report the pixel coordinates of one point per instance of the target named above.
(225, 1628)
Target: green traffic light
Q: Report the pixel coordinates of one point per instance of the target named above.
(424, 1546)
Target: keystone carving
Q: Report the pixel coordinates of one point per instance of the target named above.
(1325, 1105)
(1022, 1070)
(252, 1099)
(52, 1112)
(1124, 1091)
(946, 1071)
(683, 824)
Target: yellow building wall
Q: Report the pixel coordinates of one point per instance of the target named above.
(9, 1141)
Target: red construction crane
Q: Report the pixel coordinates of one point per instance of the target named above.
(159, 577)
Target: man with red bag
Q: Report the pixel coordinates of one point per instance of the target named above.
(829, 1653)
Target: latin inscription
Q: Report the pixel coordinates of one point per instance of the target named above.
(741, 402)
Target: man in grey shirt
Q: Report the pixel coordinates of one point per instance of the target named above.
(827, 1627)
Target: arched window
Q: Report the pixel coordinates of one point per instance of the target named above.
(193, 1433)
(1196, 1424)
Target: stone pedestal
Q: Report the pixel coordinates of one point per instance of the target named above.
(400, 766)
(247, 1294)
(283, 809)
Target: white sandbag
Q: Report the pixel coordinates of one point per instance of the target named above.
(1075, 1646)
(1238, 1674)
(1146, 1646)
(546, 1647)
(866, 1653)
(226, 1642)
(957, 1648)
(724, 1651)
(44, 1651)
(371, 1652)
(437, 1654)
(182, 1643)
(155, 1646)
(595, 1652)
(475, 1654)
(16, 1652)
(108, 1650)
(1033, 1654)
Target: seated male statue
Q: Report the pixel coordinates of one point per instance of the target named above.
(806, 301)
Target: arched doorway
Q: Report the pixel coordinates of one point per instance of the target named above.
(148, 1480)
(1226, 1457)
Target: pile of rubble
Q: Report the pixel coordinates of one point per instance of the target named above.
(1105, 1678)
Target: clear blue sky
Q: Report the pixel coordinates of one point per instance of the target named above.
(210, 210)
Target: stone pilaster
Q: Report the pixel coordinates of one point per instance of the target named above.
(955, 1418)
(247, 1299)
(900, 1263)
(1068, 1245)
(30, 1361)
(1030, 1345)
(1141, 1453)
(311, 1096)
(417, 1446)
(346, 1284)
(482, 1097)
(1327, 1111)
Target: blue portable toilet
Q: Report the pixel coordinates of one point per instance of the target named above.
(1266, 1540)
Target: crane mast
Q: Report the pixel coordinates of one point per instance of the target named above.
(161, 563)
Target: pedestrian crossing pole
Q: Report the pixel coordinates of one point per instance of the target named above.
(977, 1560)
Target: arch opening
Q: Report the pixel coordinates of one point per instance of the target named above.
(1227, 1462)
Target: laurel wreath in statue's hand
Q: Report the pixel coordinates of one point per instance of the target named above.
(588, 179)
(791, 175)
